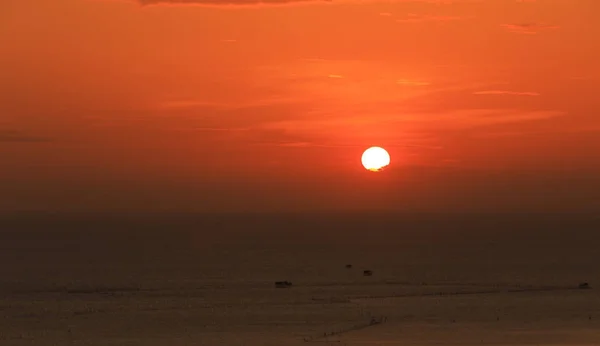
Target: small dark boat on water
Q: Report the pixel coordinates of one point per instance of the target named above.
(584, 285)
(283, 284)
(348, 266)
(368, 273)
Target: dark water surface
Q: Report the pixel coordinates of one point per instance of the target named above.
(208, 279)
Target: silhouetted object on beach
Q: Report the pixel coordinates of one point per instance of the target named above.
(584, 285)
(283, 284)
(367, 273)
(348, 266)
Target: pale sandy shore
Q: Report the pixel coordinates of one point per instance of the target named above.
(268, 316)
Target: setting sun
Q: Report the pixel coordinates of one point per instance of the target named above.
(375, 159)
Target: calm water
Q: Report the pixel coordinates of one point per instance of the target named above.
(208, 279)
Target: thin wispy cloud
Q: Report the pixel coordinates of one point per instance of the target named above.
(186, 104)
(528, 28)
(416, 126)
(216, 129)
(409, 82)
(420, 18)
(12, 136)
(244, 3)
(227, 2)
(506, 92)
(324, 144)
(360, 83)
(330, 103)
(500, 134)
(311, 145)
(494, 117)
(191, 104)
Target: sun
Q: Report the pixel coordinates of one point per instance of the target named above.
(375, 159)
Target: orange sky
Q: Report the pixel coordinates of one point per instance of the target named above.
(191, 105)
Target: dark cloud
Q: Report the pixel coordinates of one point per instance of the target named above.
(528, 28)
(416, 18)
(225, 2)
(18, 137)
(269, 2)
(506, 92)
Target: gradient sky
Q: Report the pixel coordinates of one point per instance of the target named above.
(236, 105)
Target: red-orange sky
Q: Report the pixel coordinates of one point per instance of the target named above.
(195, 105)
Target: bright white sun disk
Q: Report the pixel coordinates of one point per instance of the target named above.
(375, 158)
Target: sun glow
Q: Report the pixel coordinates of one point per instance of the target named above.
(375, 159)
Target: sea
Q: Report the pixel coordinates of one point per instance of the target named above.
(209, 279)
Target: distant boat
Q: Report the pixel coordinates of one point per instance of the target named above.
(367, 273)
(283, 284)
(584, 285)
(348, 266)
